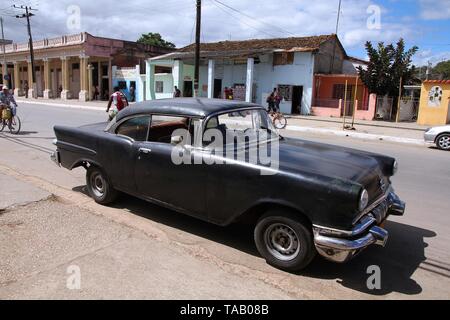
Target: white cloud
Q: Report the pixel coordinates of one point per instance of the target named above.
(424, 56)
(435, 9)
(175, 19)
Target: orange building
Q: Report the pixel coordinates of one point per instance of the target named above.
(331, 100)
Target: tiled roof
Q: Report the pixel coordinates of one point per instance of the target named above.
(294, 43)
(437, 81)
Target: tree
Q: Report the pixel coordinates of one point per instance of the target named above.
(155, 39)
(387, 64)
(442, 69)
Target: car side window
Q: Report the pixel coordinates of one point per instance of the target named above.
(135, 128)
(162, 127)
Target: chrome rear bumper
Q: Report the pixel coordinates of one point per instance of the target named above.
(342, 245)
(56, 158)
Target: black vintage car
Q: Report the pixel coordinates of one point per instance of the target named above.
(308, 198)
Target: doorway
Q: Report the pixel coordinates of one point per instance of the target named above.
(297, 96)
(217, 88)
(187, 89)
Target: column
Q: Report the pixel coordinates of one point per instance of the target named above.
(65, 94)
(30, 80)
(84, 90)
(100, 79)
(47, 80)
(177, 72)
(150, 80)
(211, 69)
(90, 69)
(110, 89)
(16, 79)
(4, 73)
(249, 83)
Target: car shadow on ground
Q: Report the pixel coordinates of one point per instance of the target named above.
(398, 261)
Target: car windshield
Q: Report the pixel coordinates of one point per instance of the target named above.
(252, 125)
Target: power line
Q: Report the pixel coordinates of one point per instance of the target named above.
(281, 30)
(243, 22)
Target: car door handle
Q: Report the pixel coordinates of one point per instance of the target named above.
(145, 150)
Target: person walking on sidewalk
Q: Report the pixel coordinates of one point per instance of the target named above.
(119, 102)
(25, 88)
(271, 102)
(176, 92)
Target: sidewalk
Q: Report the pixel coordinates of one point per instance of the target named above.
(408, 133)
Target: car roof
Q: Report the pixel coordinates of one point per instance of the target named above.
(189, 107)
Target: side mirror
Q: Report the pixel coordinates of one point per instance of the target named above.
(175, 140)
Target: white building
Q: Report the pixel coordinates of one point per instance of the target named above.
(252, 68)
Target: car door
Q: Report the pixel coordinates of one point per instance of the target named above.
(120, 150)
(158, 177)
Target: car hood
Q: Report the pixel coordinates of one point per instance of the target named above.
(300, 156)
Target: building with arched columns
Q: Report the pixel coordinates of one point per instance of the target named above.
(71, 66)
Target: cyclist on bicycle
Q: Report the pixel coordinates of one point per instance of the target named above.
(7, 100)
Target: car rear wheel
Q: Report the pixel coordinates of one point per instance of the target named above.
(99, 187)
(443, 142)
(284, 240)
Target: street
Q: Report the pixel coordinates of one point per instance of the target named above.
(138, 250)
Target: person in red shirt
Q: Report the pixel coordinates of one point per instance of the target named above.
(119, 102)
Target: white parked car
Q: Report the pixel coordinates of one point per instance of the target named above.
(439, 136)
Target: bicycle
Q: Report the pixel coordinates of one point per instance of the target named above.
(278, 119)
(7, 119)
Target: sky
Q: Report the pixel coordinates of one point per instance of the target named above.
(424, 23)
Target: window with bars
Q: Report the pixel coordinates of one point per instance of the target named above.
(339, 91)
(159, 86)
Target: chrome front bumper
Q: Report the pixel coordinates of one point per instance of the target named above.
(342, 245)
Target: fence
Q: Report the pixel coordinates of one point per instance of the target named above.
(386, 109)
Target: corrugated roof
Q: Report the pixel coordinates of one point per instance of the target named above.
(294, 44)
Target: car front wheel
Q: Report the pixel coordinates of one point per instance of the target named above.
(443, 142)
(285, 241)
(99, 187)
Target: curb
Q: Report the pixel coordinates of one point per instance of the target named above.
(356, 135)
(365, 136)
(61, 105)
(378, 125)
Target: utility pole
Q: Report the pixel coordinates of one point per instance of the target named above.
(27, 15)
(428, 70)
(5, 65)
(197, 47)
(337, 30)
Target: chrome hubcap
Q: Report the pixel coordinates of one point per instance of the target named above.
(444, 142)
(98, 184)
(282, 242)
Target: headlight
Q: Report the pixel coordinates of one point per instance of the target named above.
(363, 200)
(395, 167)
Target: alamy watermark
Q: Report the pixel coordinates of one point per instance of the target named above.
(255, 148)
(374, 280)
(73, 281)
(374, 19)
(73, 21)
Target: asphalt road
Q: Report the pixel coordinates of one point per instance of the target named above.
(415, 264)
